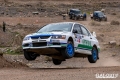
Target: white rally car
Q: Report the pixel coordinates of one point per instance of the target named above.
(62, 41)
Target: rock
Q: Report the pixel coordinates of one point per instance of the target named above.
(35, 13)
(112, 42)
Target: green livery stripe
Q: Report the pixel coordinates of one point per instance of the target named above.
(84, 46)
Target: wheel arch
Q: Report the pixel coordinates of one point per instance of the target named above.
(95, 47)
(71, 39)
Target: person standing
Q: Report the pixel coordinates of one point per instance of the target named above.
(4, 26)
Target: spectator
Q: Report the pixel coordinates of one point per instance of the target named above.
(85, 15)
(64, 16)
(4, 26)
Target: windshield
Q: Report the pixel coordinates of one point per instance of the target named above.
(56, 27)
(75, 11)
(101, 14)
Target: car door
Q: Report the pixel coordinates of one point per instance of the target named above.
(77, 31)
(86, 44)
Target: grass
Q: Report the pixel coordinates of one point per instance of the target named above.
(9, 51)
(17, 51)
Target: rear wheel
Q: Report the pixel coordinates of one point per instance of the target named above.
(30, 55)
(70, 17)
(105, 19)
(84, 19)
(56, 61)
(93, 58)
(68, 52)
(99, 19)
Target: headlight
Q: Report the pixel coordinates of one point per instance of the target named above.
(27, 38)
(59, 37)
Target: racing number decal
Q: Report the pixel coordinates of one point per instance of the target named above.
(86, 42)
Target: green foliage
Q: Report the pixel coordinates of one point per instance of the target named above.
(17, 51)
(9, 51)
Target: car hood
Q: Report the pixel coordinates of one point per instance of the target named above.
(47, 34)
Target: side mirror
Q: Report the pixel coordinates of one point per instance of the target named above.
(74, 31)
(94, 34)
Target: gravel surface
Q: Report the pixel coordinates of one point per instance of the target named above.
(58, 74)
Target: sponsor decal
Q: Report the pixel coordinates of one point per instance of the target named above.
(86, 42)
(78, 38)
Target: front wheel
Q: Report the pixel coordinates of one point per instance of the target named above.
(30, 55)
(105, 19)
(68, 52)
(76, 18)
(56, 61)
(93, 58)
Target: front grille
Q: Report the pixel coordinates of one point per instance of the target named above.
(39, 44)
(44, 37)
(56, 43)
(41, 37)
(34, 38)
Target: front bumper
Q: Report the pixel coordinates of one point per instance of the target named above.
(50, 48)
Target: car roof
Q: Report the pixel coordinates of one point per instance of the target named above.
(66, 23)
(97, 11)
(75, 9)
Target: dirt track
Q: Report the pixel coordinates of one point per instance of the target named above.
(57, 74)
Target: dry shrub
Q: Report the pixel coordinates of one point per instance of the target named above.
(47, 58)
(118, 16)
(113, 22)
(95, 23)
(113, 13)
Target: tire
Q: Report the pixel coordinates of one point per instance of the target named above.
(56, 61)
(93, 58)
(105, 19)
(68, 52)
(84, 19)
(99, 19)
(30, 55)
(73, 17)
(70, 17)
(76, 18)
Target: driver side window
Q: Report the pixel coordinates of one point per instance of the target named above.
(77, 29)
(85, 31)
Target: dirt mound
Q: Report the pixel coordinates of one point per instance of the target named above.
(4, 63)
(15, 34)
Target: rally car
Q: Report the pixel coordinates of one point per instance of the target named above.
(62, 41)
